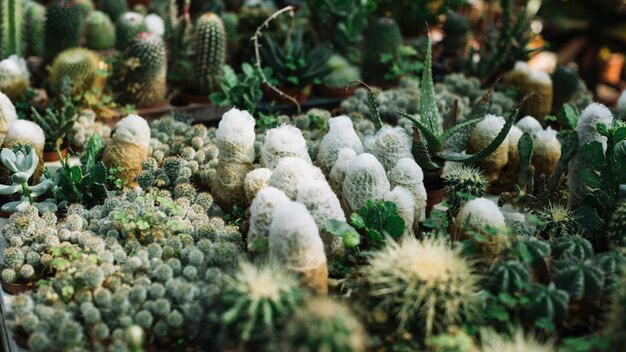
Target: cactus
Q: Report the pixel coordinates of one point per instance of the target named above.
(556, 220)
(564, 86)
(616, 318)
(425, 286)
(127, 28)
(457, 34)
(282, 142)
(324, 325)
(11, 27)
(75, 67)
(210, 53)
(113, 8)
(383, 38)
(580, 278)
(14, 77)
(463, 183)
(365, 179)
(99, 31)
(86, 7)
(63, 26)
(616, 232)
(547, 302)
(128, 147)
(509, 276)
(35, 28)
(481, 221)
(572, 247)
(519, 341)
(341, 135)
(144, 83)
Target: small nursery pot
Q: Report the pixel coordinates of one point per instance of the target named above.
(433, 197)
(190, 98)
(300, 94)
(16, 289)
(54, 156)
(334, 93)
(434, 189)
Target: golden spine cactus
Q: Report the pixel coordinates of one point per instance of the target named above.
(492, 342)
(78, 66)
(210, 53)
(424, 285)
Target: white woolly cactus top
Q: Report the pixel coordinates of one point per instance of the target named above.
(27, 132)
(133, 17)
(365, 179)
(529, 124)
(14, 66)
(294, 238)
(341, 135)
(262, 211)
(593, 114)
(155, 24)
(487, 129)
(621, 103)
(521, 66)
(406, 171)
(235, 137)
(514, 135)
(133, 129)
(291, 172)
(539, 77)
(321, 201)
(389, 145)
(546, 135)
(256, 180)
(481, 212)
(283, 141)
(8, 115)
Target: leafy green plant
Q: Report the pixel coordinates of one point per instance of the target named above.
(56, 123)
(242, 91)
(22, 162)
(405, 62)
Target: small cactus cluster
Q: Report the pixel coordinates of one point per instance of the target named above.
(84, 127)
(463, 183)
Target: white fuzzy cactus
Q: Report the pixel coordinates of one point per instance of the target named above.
(547, 152)
(341, 135)
(235, 137)
(365, 179)
(338, 171)
(14, 77)
(255, 181)
(406, 205)
(128, 147)
(8, 115)
(483, 134)
(291, 172)
(529, 124)
(281, 142)
(262, 211)
(295, 244)
(389, 145)
(477, 215)
(586, 128)
(323, 204)
(410, 176)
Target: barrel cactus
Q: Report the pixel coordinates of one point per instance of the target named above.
(78, 66)
(210, 53)
(616, 232)
(63, 26)
(99, 31)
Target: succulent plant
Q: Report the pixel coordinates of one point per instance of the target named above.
(565, 82)
(464, 183)
(572, 247)
(56, 123)
(492, 342)
(63, 26)
(127, 27)
(76, 68)
(113, 8)
(547, 302)
(128, 147)
(14, 77)
(579, 278)
(382, 38)
(556, 220)
(99, 31)
(11, 28)
(34, 27)
(210, 53)
(616, 232)
(457, 33)
(510, 276)
(481, 222)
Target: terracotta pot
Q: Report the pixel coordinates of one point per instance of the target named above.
(195, 99)
(300, 94)
(16, 289)
(334, 93)
(154, 106)
(5, 215)
(54, 156)
(433, 197)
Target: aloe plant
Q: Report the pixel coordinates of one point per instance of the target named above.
(22, 162)
(431, 143)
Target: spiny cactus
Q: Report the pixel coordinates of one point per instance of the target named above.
(63, 26)
(35, 28)
(424, 286)
(492, 342)
(383, 37)
(462, 184)
(78, 67)
(572, 247)
(556, 220)
(580, 278)
(113, 8)
(481, 221)
(144, 84)
(616, 232)
(457, 34)
(11, 27)
(127, 28)
(324, 325)
(210, 53)
(14, 77)
(99, 31)
(564, 85)
(547, 302)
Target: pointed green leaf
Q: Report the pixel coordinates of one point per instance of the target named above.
(433, 142)
(429, 113)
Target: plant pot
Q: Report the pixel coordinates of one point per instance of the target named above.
(190, 98)
(334, 93)
(300, 94)
(54, 156)
(434, 189)
(433, 197)
(5, 214)
(16, 289)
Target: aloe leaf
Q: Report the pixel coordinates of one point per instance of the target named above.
(455, 129)
(421, 154)
(432, 140)
(429, 113)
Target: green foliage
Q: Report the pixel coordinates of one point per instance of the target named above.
(56, 123)
(242, 91)
(382, 43)
(35, 28)
(99, 31)
(11, 28)
(63, 25)
(296, 64)
(414, 16)
(404, 63)
(375, 221)
(351, 238)
(209, 53)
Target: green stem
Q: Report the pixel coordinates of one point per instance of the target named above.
(26, 192)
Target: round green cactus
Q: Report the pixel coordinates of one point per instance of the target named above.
(547, 302)
(509, 276)
(63, 26)
(580, 278)
(463, 183)
(78, 66)
(85, 6)
(556, 220)
(99, 31)
(35, 28)
(113, 8)
(616, 231)
(210, 53)
(574, 247)
(127, 28)
(324, 325)
(383, 38)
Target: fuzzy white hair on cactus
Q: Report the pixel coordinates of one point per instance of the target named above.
(255, 181)
(133, 129)
(235, 137)
(8, 114)
(281, 142)
(529, 124)
(404, 200)
(27, 132)
(389, 145)
(479, 213)
(365, 179)
(262, 210)
(340, 135)
(155, 24)
(593, 114)
(410, 176)
(338, 171)
(291, 172)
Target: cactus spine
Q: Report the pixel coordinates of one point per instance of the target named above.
(144, 84)
(210, 52)
(99, 31)
(63, 26)
(78, 65)
(35, 28)
(11, 28)
(127, 27)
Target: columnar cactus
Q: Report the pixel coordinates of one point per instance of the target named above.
(457, 34)
(209, 42)
(78, 66)
(338, 171)
(113, 8)
(407, 174)
(383, 37)
(340, 135)
(296, 245)
(483, 134)
(35, 28)
(255, 181)
(11, 27)
(99, 31)
(14, 77)
(262, 211)
(128, 147)
(565, 84)
(127, 28)
(144, 84)
(527, 80)
(63, 26)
